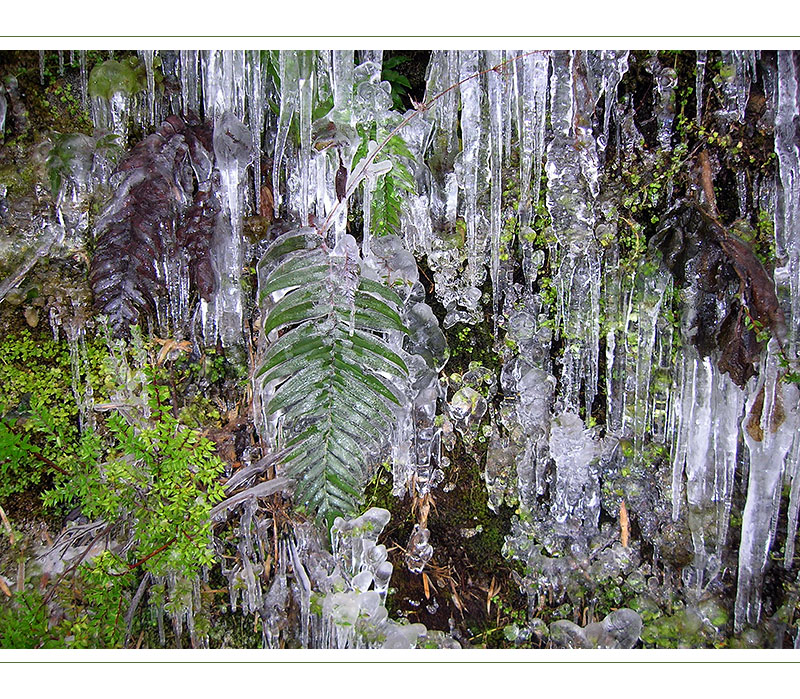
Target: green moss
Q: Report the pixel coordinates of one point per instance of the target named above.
(200, 412)
(20, 178)
(36, 378)
(112, 77)
(38, 413)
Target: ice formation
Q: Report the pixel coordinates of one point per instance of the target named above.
(495, 124)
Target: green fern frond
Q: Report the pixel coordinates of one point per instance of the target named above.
(391, 188)
(332, 377)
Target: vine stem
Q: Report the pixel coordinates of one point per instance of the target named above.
(419, 110)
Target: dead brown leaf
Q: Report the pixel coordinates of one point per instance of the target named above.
(455, 597)
(169, 346)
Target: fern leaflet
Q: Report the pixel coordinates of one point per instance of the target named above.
(391, 188)
(330, 376)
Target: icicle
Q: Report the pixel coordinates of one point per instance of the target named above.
(497, 87)
(469, 164)
(607, 71)
(770, 425)
(288, 70)
(705, 452)
(79, 364)
(638, 358)
(443, 114)
(793, 471)
(666, 80)
(648, 312)
(224, 96)
(787, 211)
(147, 57)
(699, 79)
(189, 82)
(343, 67)
(734, 82)
(304, 107)
(572, 173)
(255, 111)
(531, 88)
(84, 78)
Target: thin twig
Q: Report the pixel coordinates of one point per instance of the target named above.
(133, 566)
(134, 604)
(50, 463)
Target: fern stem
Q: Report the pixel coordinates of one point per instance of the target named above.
(419, 110)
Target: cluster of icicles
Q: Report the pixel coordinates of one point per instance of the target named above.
(539, 107)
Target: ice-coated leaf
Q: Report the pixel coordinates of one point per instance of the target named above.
(332, 377)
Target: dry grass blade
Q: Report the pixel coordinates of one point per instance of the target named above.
(7, 525)
(493, 590)
(4, 588)
(456, 598)
(426, 586)
(624, 524)
(21, 576)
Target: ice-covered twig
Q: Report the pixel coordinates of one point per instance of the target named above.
(244, 474)
(146, 580)
(42, 251)
(261, 490)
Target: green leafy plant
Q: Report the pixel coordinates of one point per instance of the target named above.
(156, 487)
(96, 602)
(25, 623)
(330, 375)
(388, 194)
(399, 82)
(36, 378)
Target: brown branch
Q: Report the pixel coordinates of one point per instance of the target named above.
(146, 558)
(707, 181)
(47, 461)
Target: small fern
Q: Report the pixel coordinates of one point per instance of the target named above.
(331, 377)
(387, 197)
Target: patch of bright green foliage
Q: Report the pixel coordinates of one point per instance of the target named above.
(399, 82)
(161, 479)
(153, 481)
(38, 414)
(92, 607)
